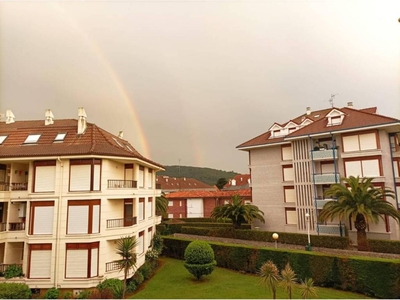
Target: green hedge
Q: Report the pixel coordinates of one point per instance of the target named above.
(204, 220)
(384, 246)
(373, 277)
(176, 227)
(266, 236)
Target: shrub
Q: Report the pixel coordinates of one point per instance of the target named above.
(199, 259)
(85, 294)
(103, 294)
(384, 246)
(131, 287)
(52, 293)
(157, 242)
(14, 291)
(151, 255)
(111, 284)
(67, 295)
(13, 271)
(137, 278)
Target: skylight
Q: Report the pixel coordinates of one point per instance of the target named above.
(32, 138)
(2, 138)
(129, 148)
(60, 137)
(119, 144)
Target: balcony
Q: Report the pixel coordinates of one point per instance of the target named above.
(16, 226)
(4, 267)
(112, 266)
(327, 178)
(337, 229)
(6, 187)
(122, 222)
(324, 154)
(121, 184)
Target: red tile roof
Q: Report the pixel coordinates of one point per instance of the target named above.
(240, 179)
(95, 141)
(169, 183)
(209, 194)
(354, 118)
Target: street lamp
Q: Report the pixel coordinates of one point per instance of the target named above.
(308, 247)
(275, 236)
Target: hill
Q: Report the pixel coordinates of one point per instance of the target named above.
(206, 175)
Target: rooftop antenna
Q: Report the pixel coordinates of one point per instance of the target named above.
(179, 174)
(331, 100)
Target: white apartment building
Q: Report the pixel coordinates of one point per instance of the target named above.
(68, 191)
(293, 163)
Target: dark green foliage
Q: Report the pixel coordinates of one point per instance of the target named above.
(371, 276)
(157, 242)
(206, 175)
(221, 182)
(52, 293)
(138, 278)
(103, 294)
(13, 271)
(384, 246)
(199, 259)
(14, 291)
(113, 285)
(161, 205)
(85, 294)
(162, 229)
(204, 220)
(67, 295)
(131, 286)
(176, 227)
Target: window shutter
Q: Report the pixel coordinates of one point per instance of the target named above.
(40, 264)
(353, 168)
(43, 220)
(150, 207)
(80, 178)
(141, 242)
(96, 178)
(368, 141)
(77, 263)
(94, 263)
(45, 178)
(370, 168)
(141, 209)
(96, 219)
(78, 219)
(350, 143)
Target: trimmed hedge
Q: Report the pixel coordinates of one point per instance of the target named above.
(266, 236)
(384, 246)
(204, 220)
(176, 227)
(371, 276)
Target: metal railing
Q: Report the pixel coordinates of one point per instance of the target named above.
(3, 267)
(121, 184)
(20, 186)
(112, 266)
(3, 227)
(16, 226)
(333, 229)
(326, 178)
(324, 154)
(122, 222)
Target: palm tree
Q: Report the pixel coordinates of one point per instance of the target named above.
(307, 289)
(238, 212)
(126, 250)
(269, 274)
(161, 205)
(288, 279)
(361, 202)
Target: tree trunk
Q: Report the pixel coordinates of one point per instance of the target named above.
(361, 225)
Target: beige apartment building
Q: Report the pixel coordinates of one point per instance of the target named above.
(293, 163)
(68, 190)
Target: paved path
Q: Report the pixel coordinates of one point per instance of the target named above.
(290, 246)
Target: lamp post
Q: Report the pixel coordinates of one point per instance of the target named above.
(308, 247)
(275, 236)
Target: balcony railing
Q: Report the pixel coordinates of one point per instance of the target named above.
(121, 184)
(337, 229)
(16, 226)
(112, 266)
(20, 186)
(321, 202)
(326, 178)
(3, 267)
(3, 227)
(324, 154)
(122, 222)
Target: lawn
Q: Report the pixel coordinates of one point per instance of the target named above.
(173, 281)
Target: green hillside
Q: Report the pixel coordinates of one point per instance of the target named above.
(206, 175)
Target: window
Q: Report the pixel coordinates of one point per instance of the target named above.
(150, 178)
(150, 235)
(2, 138)
(360, 142)
(396, 167)
(337, 120)
(140, 245)
(83, 216)
(41, 217)
(150, 207)
(32, 138)
(44, 176)
(288, 173)
(291, 216)
(141, 209)
(287, 152)
(170, 203)
(60, 137)
(39, 261)
(366, 167)
(129, 219)
(85, 175)
(289, 194)
(394, 143)
(141, 176)
(82, 260)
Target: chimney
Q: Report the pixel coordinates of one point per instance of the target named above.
(48, 117)
(308, 111)
(350, 104)
(81, 120)
(10, 118)
(121, 134)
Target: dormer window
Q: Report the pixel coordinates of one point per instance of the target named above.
(3, 138)
(335, 117)
(292, 129)
(32, 138)
(276, 133)
(336, 121)
(60, 137)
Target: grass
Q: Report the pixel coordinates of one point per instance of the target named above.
(173, 281)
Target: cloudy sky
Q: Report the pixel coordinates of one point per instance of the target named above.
(188, 81)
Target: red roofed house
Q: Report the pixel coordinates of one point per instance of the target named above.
(293, 163)
(68, 191)
(199, 204)
(239, 182)
(172, 184)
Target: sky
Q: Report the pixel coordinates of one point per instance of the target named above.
(188, 81)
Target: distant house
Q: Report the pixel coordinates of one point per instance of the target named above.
(198, 204)
(172, 184)
(68, 191)
(239, 182)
